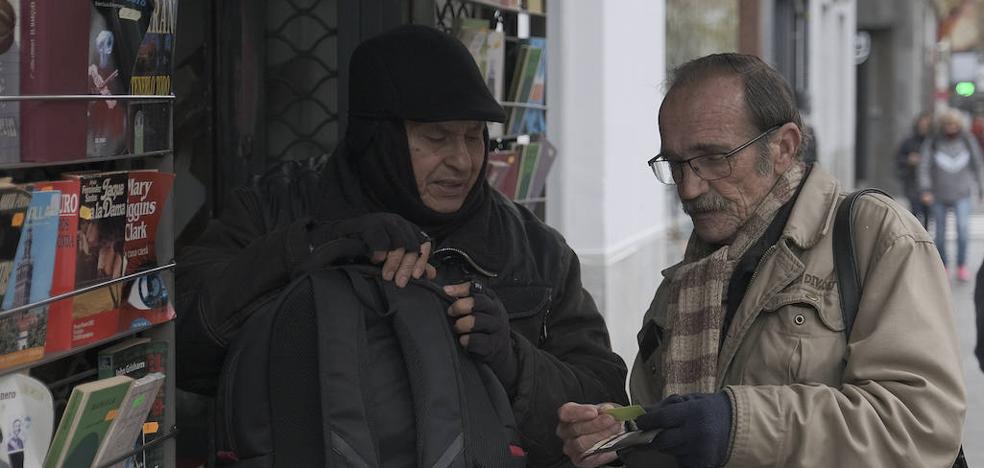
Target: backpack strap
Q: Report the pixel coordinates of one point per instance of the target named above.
(342, 350)
(431, 353)
(845, 265)
(848, 280)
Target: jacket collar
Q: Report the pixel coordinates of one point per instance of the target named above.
(813, 214)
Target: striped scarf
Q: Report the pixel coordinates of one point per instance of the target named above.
(697, 293)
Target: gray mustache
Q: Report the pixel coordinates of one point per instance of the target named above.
(705, 203)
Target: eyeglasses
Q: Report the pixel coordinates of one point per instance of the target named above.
(707, 166)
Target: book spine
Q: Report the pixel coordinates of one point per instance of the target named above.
(60, 312)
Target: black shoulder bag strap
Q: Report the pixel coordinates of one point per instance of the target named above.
(846, 268)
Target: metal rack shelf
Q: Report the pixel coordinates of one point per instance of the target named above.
(86, 289)
(497, 6)
(89, 97)
(528, 105)
(118, 157)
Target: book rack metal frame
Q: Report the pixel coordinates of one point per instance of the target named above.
(80, 362)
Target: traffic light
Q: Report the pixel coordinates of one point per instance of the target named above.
(965, 88)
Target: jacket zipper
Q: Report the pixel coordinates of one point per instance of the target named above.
(760, 262)
(468, 259)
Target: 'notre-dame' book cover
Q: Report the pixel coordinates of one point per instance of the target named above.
(99, 253)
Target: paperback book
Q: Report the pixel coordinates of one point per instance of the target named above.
(91, 409)
(11, 22)
(59, 336)
(26, 421)
(152, 71)
(22, 334)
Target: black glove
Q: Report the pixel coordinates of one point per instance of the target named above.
(490, 340)
(696, 428)
(377, 231)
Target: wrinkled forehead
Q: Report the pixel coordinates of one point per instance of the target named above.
(710, 111)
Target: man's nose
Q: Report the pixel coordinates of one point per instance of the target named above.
(690, 185)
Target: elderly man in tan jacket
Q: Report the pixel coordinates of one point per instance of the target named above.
(744, 358)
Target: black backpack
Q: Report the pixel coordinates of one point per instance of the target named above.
(344, 369)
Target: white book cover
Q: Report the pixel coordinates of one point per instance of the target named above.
(26, 421)
(122, 436)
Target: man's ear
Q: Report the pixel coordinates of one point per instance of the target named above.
(788, 139)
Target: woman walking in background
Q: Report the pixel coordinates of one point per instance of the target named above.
(949, 174)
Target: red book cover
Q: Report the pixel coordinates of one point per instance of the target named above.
(60, 313)
(503, 171)
(145, 299)
(54, 52)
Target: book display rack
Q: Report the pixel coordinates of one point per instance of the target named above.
(86, 171)
(507, 38)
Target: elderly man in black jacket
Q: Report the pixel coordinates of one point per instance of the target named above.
(409, 181)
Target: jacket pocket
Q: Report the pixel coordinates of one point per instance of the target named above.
(811, 338)
(528, 307)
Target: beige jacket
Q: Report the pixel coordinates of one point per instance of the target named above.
(804, 395)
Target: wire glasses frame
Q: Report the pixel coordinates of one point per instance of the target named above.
(707, 166)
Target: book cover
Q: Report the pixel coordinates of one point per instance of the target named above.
(116, 31)
(13, 209)
(487, 47)
(10, 57)
(145, 299)
(99, 254)
(534, 120)
(151, 120)
(22, 334)
(125, 434)
(543, 164)
(91, 409)
(525, 73)
(59, 336)
(136, 358)
(26, 421)
(53, 61)
(527, 165)
(506, 172)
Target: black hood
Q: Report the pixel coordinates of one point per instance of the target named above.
(418, 73)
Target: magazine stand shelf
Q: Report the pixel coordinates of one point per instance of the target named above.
(62, 370)
(520, 29)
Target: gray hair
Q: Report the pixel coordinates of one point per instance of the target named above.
(768, 97)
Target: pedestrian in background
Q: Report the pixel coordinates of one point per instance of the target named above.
(949, 174)
(907, 166)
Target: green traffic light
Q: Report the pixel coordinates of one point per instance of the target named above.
(965, 88)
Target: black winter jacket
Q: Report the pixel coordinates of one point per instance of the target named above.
(560, 338)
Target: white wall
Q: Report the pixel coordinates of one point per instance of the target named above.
(832, 83)
(604, 89)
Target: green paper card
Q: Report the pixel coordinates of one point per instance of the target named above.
(625, 413)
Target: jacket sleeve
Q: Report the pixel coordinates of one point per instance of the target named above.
(979, 309)
(902, 399)
(574, 363)
(222, 277)
(976, 162)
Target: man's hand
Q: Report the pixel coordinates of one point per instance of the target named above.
(398, 244)
(914, 158)
(696, 428)
(482, 325)
(583, 426)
